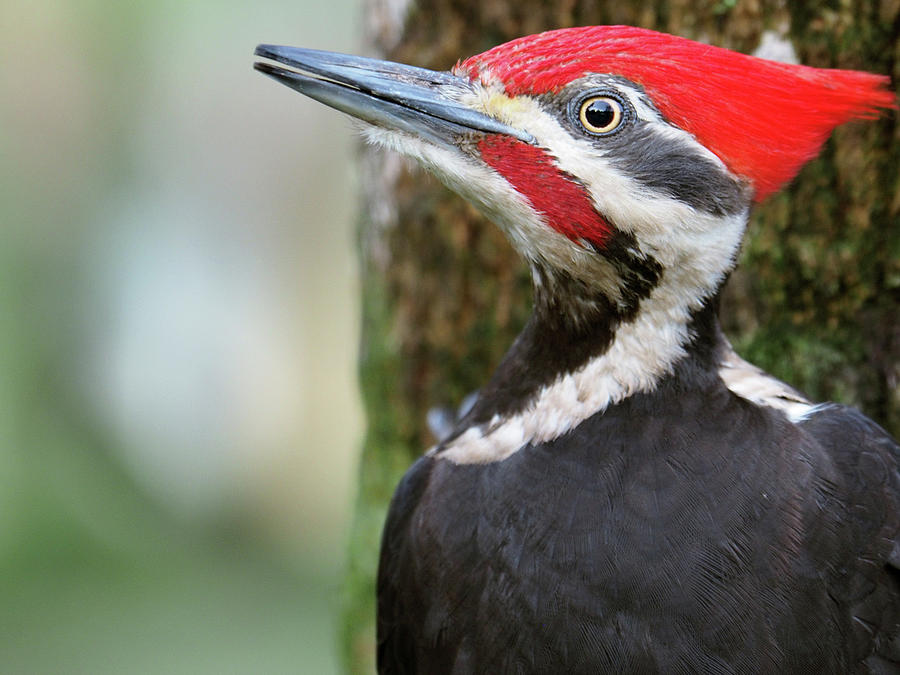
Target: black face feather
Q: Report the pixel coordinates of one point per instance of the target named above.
(639, 273)
(677, 170)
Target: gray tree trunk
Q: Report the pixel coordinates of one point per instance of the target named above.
(815, 301)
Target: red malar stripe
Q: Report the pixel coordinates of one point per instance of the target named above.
(553, 193)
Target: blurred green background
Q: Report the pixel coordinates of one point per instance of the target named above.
(178, 308)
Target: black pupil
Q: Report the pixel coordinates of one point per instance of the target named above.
(600, 113)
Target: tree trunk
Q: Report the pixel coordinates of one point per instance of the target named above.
(815, 301)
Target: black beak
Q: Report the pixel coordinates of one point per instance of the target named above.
(390, 95)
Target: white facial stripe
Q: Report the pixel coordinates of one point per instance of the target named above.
(636, 98)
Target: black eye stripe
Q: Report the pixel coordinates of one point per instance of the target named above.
(643, 150)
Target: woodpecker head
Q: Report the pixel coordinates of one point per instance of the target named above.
(621, 162)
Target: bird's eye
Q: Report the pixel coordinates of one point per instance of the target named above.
(600, 114)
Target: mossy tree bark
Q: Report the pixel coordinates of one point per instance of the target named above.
(815, 300)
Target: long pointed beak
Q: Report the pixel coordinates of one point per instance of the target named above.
(390, 95)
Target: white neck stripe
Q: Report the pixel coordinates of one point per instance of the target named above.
(619, 373)
(641, 353)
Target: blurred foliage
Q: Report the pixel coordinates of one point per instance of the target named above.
(109, 114)
(94, 579)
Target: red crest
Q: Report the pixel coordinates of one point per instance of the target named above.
(762, 118)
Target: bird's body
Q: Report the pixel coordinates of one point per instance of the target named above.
(682, 530)
(626, 494)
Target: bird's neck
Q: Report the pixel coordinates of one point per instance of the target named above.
(579, 354)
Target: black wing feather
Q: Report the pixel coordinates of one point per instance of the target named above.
(396, 650)
(869, 460)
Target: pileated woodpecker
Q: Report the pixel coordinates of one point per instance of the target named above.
(627, 494)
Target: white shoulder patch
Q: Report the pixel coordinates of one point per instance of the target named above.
(757, 386)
